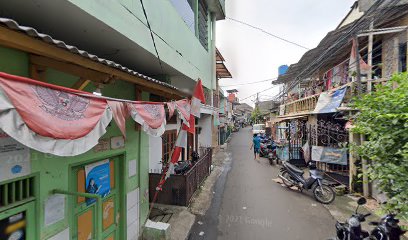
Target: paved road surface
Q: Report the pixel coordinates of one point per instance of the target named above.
(248, 205)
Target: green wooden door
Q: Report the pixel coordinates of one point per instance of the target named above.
(86, 212)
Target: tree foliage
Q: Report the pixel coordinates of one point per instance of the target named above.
(383, 118)
(256, 115)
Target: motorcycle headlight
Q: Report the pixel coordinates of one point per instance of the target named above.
(354, 222)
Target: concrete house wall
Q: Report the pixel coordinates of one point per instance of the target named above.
(53, 172)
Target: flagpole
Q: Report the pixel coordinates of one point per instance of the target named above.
(163, 177)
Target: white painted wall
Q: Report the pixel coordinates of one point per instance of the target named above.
(155, 150)
(132, 216)
(205, 137)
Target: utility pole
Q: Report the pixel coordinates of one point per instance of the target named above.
(358, 77)
(362, 137)
(370, 57)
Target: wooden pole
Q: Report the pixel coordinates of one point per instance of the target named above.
(163, 176)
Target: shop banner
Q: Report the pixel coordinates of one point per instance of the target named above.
(97, 179)
(14, 158)
(329, 155)
(329, 101)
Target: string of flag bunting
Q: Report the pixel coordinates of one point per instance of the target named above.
(68, 122)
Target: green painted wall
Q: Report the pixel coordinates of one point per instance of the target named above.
(53, 171)
(177, 44)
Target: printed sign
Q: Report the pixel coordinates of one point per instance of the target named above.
(13, 227)
(14, 158)
(97, 179)
(54, 209)
(329, 101)
(329, 155)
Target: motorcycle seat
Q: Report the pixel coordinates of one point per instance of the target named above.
(293, 168)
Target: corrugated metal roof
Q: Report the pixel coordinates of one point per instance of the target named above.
(306, 66)
(11, 24)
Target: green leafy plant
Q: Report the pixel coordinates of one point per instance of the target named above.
(383, 118)
(256, 115)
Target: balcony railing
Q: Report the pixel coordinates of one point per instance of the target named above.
(308, 104)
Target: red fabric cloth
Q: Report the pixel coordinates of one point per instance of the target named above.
(199, 91)
(190, 129)
(120, 113)
(176, 154)
(153, 114)
(52, 112)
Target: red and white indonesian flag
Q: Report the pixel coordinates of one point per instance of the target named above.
(197, 100)
(364, 67)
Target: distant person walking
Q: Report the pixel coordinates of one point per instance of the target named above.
(256, 144)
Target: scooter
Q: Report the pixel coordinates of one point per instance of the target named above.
(386, 229)
(272, 156)
(293, 176)
(351, 230)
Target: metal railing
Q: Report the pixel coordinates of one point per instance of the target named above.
(179, 189)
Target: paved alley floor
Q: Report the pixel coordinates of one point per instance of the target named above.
(249, 205)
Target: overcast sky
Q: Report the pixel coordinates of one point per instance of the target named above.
(252, 56)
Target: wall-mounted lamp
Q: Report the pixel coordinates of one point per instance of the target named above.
(98, 89)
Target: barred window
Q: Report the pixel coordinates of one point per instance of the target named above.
(169, 139)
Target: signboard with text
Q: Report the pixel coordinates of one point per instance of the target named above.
(329, 155)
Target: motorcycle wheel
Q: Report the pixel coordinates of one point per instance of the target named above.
(324, 194)
(286, 175)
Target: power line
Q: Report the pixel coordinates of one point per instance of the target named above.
(258, 93)
(268, 33)
(242, 84)
(357, 26)
(151, 34)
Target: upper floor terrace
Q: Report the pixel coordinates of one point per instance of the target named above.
(332, 65)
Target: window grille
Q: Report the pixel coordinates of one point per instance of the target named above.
(203, 24)
(18, 191)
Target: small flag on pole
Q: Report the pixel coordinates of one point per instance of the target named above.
(197, 99)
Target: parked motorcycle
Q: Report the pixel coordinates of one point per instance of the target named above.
(272, 156)
(351, 230)
(293, 176)
(182, 167)
(386, 229)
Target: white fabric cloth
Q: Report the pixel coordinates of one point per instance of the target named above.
(182, 139)
(196, 107)
(146, 128)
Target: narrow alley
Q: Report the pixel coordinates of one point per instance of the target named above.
(248, 204)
